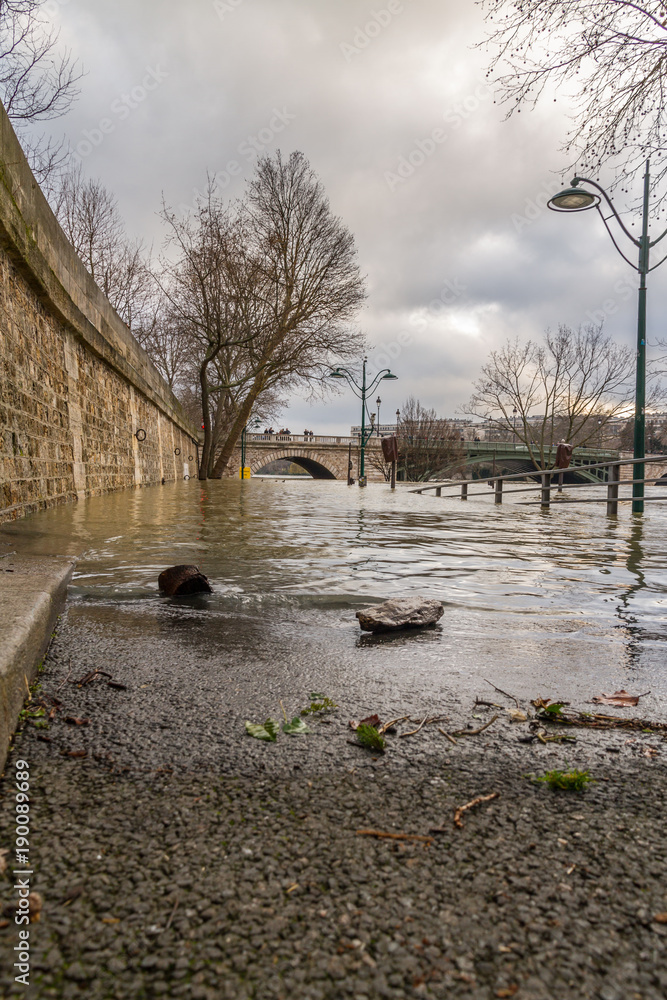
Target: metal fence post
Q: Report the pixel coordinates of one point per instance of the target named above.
(546, 489)
(614, 473)
(464, 491)
(499, 491)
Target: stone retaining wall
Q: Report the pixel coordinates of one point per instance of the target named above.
(75, 386)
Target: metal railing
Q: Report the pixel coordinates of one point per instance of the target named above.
(546, 485)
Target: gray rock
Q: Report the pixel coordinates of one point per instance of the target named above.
(400, 613)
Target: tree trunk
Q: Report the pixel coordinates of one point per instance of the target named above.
(206, 417)
(228, 447)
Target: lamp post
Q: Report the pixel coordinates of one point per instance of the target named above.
(377, 403)
(361, 392)
(577, 199)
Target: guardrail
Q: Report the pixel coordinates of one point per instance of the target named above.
(614, 482)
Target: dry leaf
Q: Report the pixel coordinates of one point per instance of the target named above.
(72, 720)
(621, 699)
(659, 918)
(509, 991)
(372, 720)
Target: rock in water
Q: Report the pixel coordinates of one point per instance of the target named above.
(408, 612)
(180, 580)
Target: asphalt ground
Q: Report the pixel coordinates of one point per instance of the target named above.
(177, 856)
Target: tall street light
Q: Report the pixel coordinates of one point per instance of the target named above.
(576, 199)
(360, 392)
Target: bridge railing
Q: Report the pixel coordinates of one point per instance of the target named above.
(307, 439)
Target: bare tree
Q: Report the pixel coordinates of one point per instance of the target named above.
(609, 55)
(88, 213)
(569, 387)
(427, 443)
(38, 80)
(307, 283)
(210, 281)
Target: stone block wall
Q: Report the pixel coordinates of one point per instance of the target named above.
(74, 384)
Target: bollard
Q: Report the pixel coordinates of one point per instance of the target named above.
(438, 492)
(546, 489)
(464, 491)
(499, 491)
(613, 476)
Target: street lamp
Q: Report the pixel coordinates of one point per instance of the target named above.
(576, 199)
(360, 392)
(377, 403)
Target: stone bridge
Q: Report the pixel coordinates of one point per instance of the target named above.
(323, 456)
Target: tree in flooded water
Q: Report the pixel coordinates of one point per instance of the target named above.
(264, 292)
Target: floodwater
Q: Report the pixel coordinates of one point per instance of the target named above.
(564, 604)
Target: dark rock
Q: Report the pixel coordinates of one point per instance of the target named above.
(400, 613)
(180, 580)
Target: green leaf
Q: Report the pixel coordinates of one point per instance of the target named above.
(297, 727)
(267, 732)
(555, 709)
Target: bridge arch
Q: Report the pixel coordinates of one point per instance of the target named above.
(318, 467)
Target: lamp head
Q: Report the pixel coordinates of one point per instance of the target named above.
(389, 375)
(573, 199)
(336, 373)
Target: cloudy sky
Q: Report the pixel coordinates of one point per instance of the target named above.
(388, 100)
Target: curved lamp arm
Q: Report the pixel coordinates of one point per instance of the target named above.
(578, 180)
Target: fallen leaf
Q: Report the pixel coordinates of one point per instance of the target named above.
(297, 727)
(660, 918)
(509, 991)
(110, 920)
(516, 715)
(267, 732)
(74, 753)
(73, 721)
(621, 699)
(372, 720)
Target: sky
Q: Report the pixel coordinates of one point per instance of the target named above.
(389, 102)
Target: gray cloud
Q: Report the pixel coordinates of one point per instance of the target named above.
(389, 103)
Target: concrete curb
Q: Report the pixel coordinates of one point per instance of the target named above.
(32, 594)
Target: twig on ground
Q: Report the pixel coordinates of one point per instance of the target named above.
(476, 732)
(92, 675)
(500, 691)
(172, 914)
(469, 805)
(383, 729)
(394, 836)
(450, 738)
(424, 722)
(487, 704)
(69, 674)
